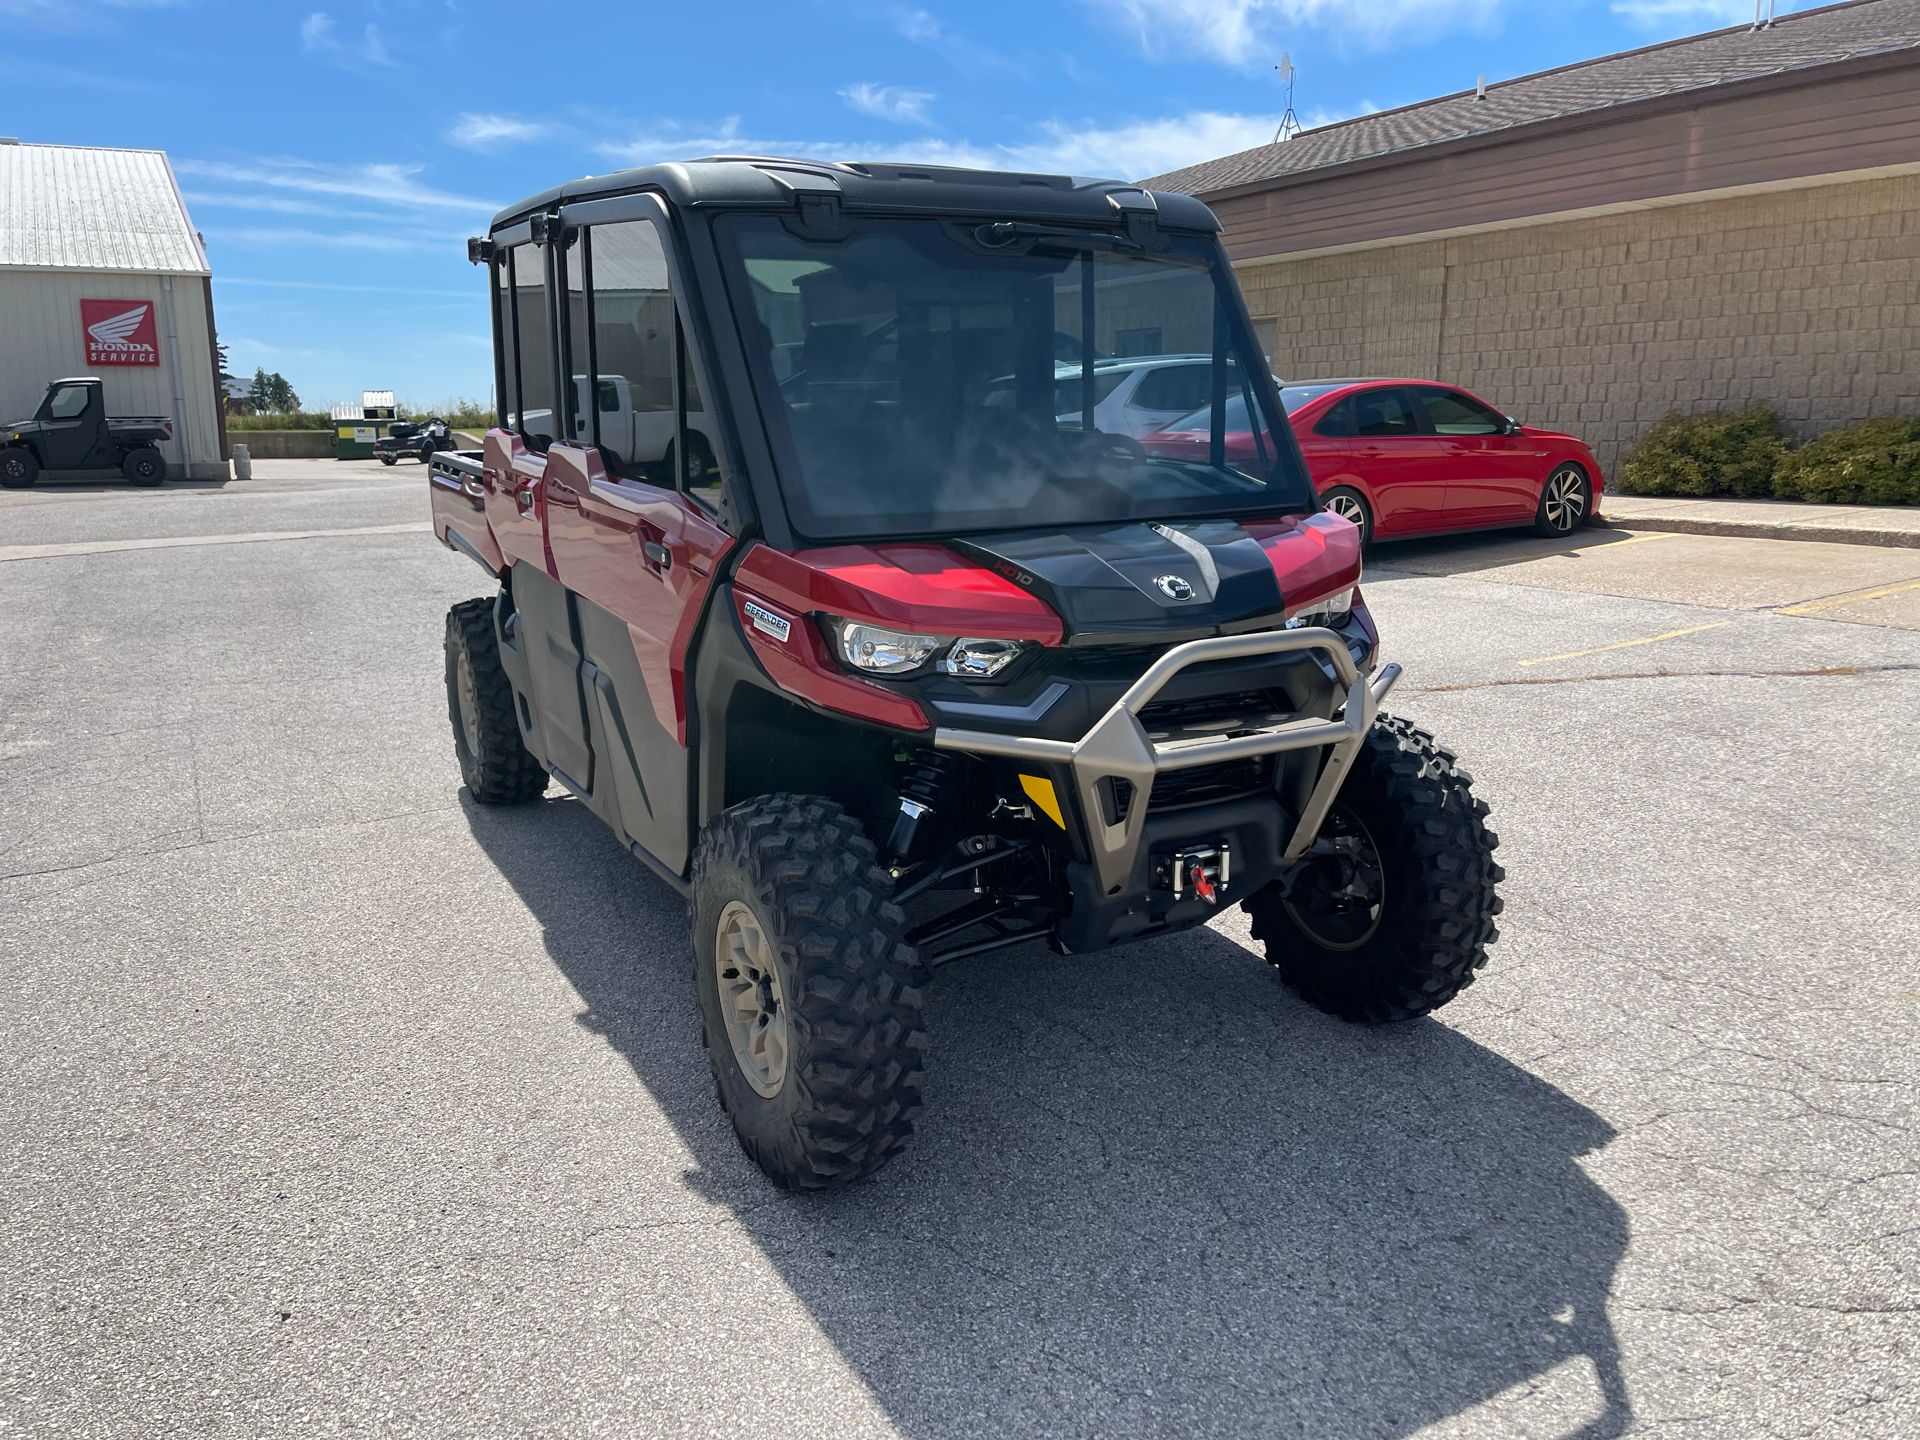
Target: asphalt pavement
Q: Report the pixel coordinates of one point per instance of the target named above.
(333, 1103)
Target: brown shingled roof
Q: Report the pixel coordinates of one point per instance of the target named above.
(1802, 41)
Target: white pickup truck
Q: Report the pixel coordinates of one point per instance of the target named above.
(637, 429)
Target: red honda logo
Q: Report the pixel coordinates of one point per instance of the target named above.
(120, 332)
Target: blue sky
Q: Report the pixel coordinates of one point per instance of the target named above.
(336, 158)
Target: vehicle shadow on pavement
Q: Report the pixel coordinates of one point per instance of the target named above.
(1153, 1192)
(1474, 550)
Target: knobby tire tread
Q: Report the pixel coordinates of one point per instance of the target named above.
(853, 1090)
(505, 772)
(1431, 795)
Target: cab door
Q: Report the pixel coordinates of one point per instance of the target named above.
(539, 639)
(634, 543)
(74, 427)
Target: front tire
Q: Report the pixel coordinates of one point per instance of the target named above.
(18, 468)
(1566, 502)
(1350, 504)
(809, 998)
(145, 466)
(494, 760)
(1394, 911)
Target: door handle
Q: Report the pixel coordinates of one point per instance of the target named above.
(524, 498)
(657, 554)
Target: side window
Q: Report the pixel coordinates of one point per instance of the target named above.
(69, 403)
(639, 354)
(571, 263)
(533, 346)
(1382, 413)
(1175, 387)
(1338, 422)
(1066, 393)
(506, 372)
(1455, 414)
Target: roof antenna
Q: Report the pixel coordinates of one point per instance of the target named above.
(1290, 125)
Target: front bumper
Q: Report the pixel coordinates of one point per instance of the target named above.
(1118, 745)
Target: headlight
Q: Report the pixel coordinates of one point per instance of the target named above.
(1333, 610)
(899, 652)
(887, 652)
(976, 659)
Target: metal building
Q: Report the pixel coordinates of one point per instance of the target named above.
(102, 273)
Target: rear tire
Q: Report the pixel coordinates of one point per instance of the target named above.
(699, 461)
(494, 760)
(816, 1045)
(1566, 502)
(1350, 504)
(1394, 923)
(387, 460)
(19, 468)
(145, 466)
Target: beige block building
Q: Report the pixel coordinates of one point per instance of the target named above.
(1700, 225)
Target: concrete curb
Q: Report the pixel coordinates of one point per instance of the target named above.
(1760, 530)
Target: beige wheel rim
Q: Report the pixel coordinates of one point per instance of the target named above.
(751, 1003)
(469, 703)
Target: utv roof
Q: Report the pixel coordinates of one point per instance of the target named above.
(751, 181)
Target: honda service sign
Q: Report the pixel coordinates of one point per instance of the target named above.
(120, 332)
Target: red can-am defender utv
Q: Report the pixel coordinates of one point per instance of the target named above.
(838, 604)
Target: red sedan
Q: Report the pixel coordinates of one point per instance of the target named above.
(1409, 457)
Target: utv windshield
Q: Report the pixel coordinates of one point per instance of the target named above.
(931, 381)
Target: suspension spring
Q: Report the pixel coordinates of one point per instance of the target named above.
(924, 792)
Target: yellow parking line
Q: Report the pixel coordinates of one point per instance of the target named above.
(1642, 539)
(1627, 644)
(1848, 599)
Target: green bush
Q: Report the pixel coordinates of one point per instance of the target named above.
(1711, 454)
(468, 415)
(1876, 462)
(288, 420)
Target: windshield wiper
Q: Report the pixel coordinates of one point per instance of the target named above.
(1002, 233)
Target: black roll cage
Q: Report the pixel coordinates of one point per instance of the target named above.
(683, 200)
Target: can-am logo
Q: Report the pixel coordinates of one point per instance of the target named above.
(120, 332)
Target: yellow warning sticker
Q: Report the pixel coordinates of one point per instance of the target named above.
(1040, 790)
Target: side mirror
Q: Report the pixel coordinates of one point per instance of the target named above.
(1513, 427)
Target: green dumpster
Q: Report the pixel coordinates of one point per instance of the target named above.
(356, 427)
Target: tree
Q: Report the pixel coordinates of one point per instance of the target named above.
(271, 392)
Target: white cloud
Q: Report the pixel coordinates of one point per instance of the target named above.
(889, 102)
(1244, 33)
(338, 240)
(387, 184)
(1143, 147)
(1665, 14)
(465, 296)
(318, 37)
(920, 28)
(477, 131)
(1131, 150)
(273, 204)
